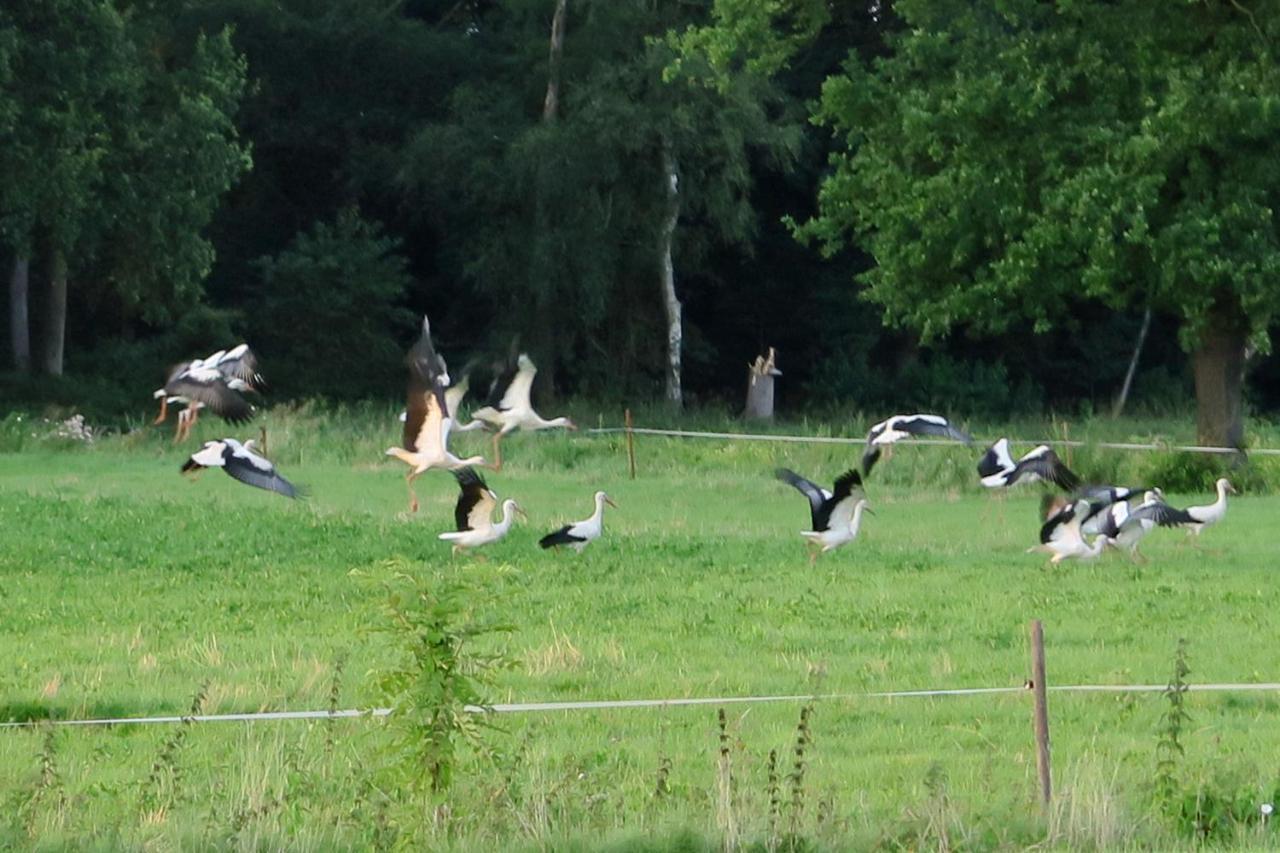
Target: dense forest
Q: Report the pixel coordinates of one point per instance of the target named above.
(975, 207)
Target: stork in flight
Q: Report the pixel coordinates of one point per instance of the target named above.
(998, 470)
(891, 430)
(509, 407)
(836, 515)
(427, 421)
(242, 462)
(473, 514)
(217, 381)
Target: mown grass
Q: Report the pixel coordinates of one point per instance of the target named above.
(127, 589)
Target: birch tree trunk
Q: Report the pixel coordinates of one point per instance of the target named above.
(55, 315)
(551, 106)
(1118, 408)
(19, 325)
(675, 331)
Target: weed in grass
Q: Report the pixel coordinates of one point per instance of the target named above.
(662, 787)
(726, 818)
(796, 779)
(335, 694)
(1169, 747)
(775, 801)
(440, 678)
(163, 785)
(48, 790)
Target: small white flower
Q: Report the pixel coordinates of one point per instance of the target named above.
(1267, 809)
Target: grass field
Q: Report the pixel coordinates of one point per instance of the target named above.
(125, 588)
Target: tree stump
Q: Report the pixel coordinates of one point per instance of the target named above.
(760, 375)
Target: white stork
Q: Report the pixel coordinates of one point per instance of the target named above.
(898, 427)
(583, 533)
(427, 422)
(509, 407)
(473, 513)
(998, 470)
(836, 515)
(453, 396)
(1061, 536)
(1194, 518)
(241, 462)
(217, 381)
(1124, 525)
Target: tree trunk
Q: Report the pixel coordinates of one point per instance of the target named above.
(55, 315)
(675, 332)
(1118, 408)
(551, 106)
(1219, 373)
(19, 326)
(760, 376)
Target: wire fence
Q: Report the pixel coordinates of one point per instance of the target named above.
(620, 704)
(829, 439)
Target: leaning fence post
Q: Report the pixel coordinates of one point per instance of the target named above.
(1038, 689)
(631, 445)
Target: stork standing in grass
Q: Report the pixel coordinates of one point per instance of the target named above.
(836, 515)
(1061, 536)
(218, 382)
(583, 533)
(887, 432)
(509, 407)
(473, 513)
(998, 470)
(242, 462)
(427, 422)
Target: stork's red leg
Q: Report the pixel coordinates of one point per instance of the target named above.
(413, 496)
(164, 411)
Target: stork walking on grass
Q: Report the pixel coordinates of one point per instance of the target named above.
(243, 463)
(581, 534)
(473, 514)
(891, 430)
(998, 470)
(836, 515)
(1060, 536)
(509, 407)
(427, 422)
(217, 381)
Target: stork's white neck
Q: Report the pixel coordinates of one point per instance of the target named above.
(855, 524)
(543, 423)
(508, 516)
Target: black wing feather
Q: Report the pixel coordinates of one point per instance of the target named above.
(807, 488)
(924, 426)
(473, 489)
(844, 488)
(560, 537)
(250, 474)
(227, 404)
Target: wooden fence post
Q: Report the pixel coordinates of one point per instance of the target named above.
(1038, 688)
(631, 445)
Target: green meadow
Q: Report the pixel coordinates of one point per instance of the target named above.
(127, 589)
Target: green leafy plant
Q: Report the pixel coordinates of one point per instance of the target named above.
(1169, 748)
(437, 692)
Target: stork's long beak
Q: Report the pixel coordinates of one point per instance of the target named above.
(520, 512)
(572, 426)
(610, 502)
(868, 510)
(191, 465)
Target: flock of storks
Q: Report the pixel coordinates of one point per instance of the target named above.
(1113, 516)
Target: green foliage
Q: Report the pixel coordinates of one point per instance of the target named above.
(443, 678)
(557, 222)
(123, 143)
(330, 301)
(1010, 159)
